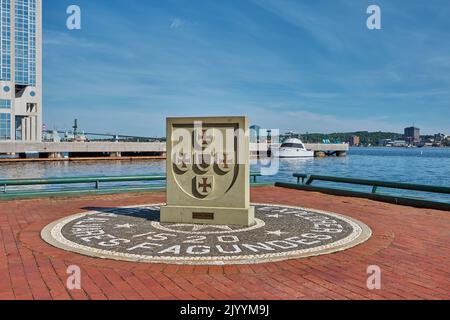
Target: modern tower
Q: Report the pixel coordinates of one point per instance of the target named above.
(412, 135)
(21, 70)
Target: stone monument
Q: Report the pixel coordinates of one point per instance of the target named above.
(208, 172)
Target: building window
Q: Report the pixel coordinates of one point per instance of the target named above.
(5, 40)
(5, 126)
(25, 42)
(31, 107)
(6, 89)
(19, 120)
(5, 104)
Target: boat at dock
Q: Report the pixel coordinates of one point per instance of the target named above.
(292, 148)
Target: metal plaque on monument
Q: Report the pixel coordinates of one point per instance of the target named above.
(208, 172)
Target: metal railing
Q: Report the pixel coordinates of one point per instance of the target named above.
(304, 182)
(91, 185)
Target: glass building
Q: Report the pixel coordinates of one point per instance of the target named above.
(412, 135)
(21, 70)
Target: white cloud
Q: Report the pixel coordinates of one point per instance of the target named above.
(177, 23)
(57, 38)
(303, 121)
(322, 27)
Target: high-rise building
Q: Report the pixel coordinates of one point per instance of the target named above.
(412, 135)
(21, 70)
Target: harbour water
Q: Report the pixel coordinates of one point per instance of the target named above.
(415, 165)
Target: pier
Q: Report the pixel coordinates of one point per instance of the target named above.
(323, 149)
(128, 150)
(55, 150)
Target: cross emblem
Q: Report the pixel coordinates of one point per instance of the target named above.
(204, 185)
(225, 161)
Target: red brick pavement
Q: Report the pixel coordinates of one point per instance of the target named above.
(411, 246)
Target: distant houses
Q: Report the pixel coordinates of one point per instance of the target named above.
(438, 140)
(355, 141)
(411, 138)
(392, 143)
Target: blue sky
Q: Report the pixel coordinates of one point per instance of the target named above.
(294, 65)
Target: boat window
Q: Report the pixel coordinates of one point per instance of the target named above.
(292, 145)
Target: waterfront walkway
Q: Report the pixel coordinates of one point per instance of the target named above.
(411, 246)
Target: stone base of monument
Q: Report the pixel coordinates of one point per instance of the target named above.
(206, 215)
(137, 234)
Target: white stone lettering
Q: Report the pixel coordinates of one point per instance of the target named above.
(228, 239)
(113, 242)
(145, 245)
(316, 236)
(195, 239)
(327, 230)
(257, 247)
(160, 237)
(174, 250)
(282, 244)
(235, 247)
(198, 250)
(302, 241)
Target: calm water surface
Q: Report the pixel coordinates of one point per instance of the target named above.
(418, 165)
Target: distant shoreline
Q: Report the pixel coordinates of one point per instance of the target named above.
(424, 147)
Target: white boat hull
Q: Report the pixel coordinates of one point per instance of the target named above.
(293, 153)
(292, 148)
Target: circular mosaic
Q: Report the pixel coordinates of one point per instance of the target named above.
(135, 234)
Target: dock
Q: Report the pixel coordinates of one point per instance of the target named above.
(320, 149)
(128, 150)
(55, 150)
(331, 149)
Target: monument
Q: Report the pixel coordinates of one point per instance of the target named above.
(208, 173)
(208, 219)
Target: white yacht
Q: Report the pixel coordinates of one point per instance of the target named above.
(292, 148)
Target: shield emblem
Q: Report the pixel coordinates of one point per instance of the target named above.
(225, 161)
(183, 161)
(215, 159)
(203, 161)
(204, 185)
